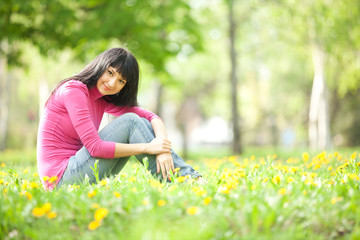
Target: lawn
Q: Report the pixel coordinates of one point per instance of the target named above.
(259, 196)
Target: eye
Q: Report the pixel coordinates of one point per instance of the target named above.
(122, 81)
(110, 72)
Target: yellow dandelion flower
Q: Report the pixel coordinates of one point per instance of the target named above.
(2, 181)
(282, 191)
(290, 179)
(265, 180)
(91, 193)
(276, 179)
(117, 194)
(132, 179)
(335, 200)
(45, 178)
(46, 207)
(26, 170)
(34, 185)
(305, 156)
(161, 203)
(5, 191)
(329, 168)
(224, 189)
(199, 191)
(207, 200)
(253, 187)
(94, 225)
(353, 156)
(304, 192)
(256, 166)
(100, 213)
(28, 195)
(38, 212)
(103, 182)
(358, 164)
(145, 202)
(3, 165)
(35, 174)
(181, 179)
(53, 179)
(192, 210)
(51, 215)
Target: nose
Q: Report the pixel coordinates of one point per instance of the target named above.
(111, 82)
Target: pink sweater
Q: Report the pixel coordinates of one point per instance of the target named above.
(70, 121)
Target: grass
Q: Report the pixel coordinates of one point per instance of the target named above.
(267, 195)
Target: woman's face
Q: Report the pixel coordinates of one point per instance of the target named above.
(111, 82)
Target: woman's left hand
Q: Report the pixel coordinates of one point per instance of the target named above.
(165, 163)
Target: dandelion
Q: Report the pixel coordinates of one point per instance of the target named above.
(276, 179)
(94, 225)
(35, 174)
(28, 195)
(26, 170)
(91, 194)
(304, 192)
(38, 212)
(176, 170)
(45, 178)
(192, 210)
(207, 200)
(199, 191)
(117, 194)
(145, 202)
(132, 179)
(358, 164)
(265, 180)
(305, 156)
(103, 182)
(53, 179)
(224, 189)
(3, 165)
(329, 168)
(290, 179)
(353, 156)
(253, 187)
(51, 215)
(335, 200)
(161, 203)
(181, 179)
(2, 181)
(282, 191)
(100, 214)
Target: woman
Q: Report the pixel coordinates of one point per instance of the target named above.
(68, 139)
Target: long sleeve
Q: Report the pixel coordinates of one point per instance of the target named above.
(75, 98)
(141, 112)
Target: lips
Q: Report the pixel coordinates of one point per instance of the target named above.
(106, 88)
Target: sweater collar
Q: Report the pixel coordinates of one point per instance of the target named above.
(94, 93)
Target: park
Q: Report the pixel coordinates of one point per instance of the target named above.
(259, 97)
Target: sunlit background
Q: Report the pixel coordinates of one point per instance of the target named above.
(222, 74)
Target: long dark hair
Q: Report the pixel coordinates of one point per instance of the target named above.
(125, 64)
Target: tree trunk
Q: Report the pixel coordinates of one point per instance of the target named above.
(4, 102)
(319, 122)
(233, 79)
(43, 94)
(159, 103)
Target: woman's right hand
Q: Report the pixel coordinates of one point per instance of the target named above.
(159, 145)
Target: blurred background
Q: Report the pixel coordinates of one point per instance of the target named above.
(223, 74)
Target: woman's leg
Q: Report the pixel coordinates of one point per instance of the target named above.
(128, 128)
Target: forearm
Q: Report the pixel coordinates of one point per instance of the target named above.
(127, 150)
(159, 128)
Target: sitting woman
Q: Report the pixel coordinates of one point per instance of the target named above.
(69, 143)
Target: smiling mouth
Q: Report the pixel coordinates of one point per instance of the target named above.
(106, 88)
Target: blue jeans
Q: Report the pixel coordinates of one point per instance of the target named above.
(128, 128)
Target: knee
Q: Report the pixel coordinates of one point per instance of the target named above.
(130, 117)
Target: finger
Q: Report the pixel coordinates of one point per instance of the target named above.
(157, 167)
(163, 172)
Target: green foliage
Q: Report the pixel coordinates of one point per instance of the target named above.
(257, 197)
